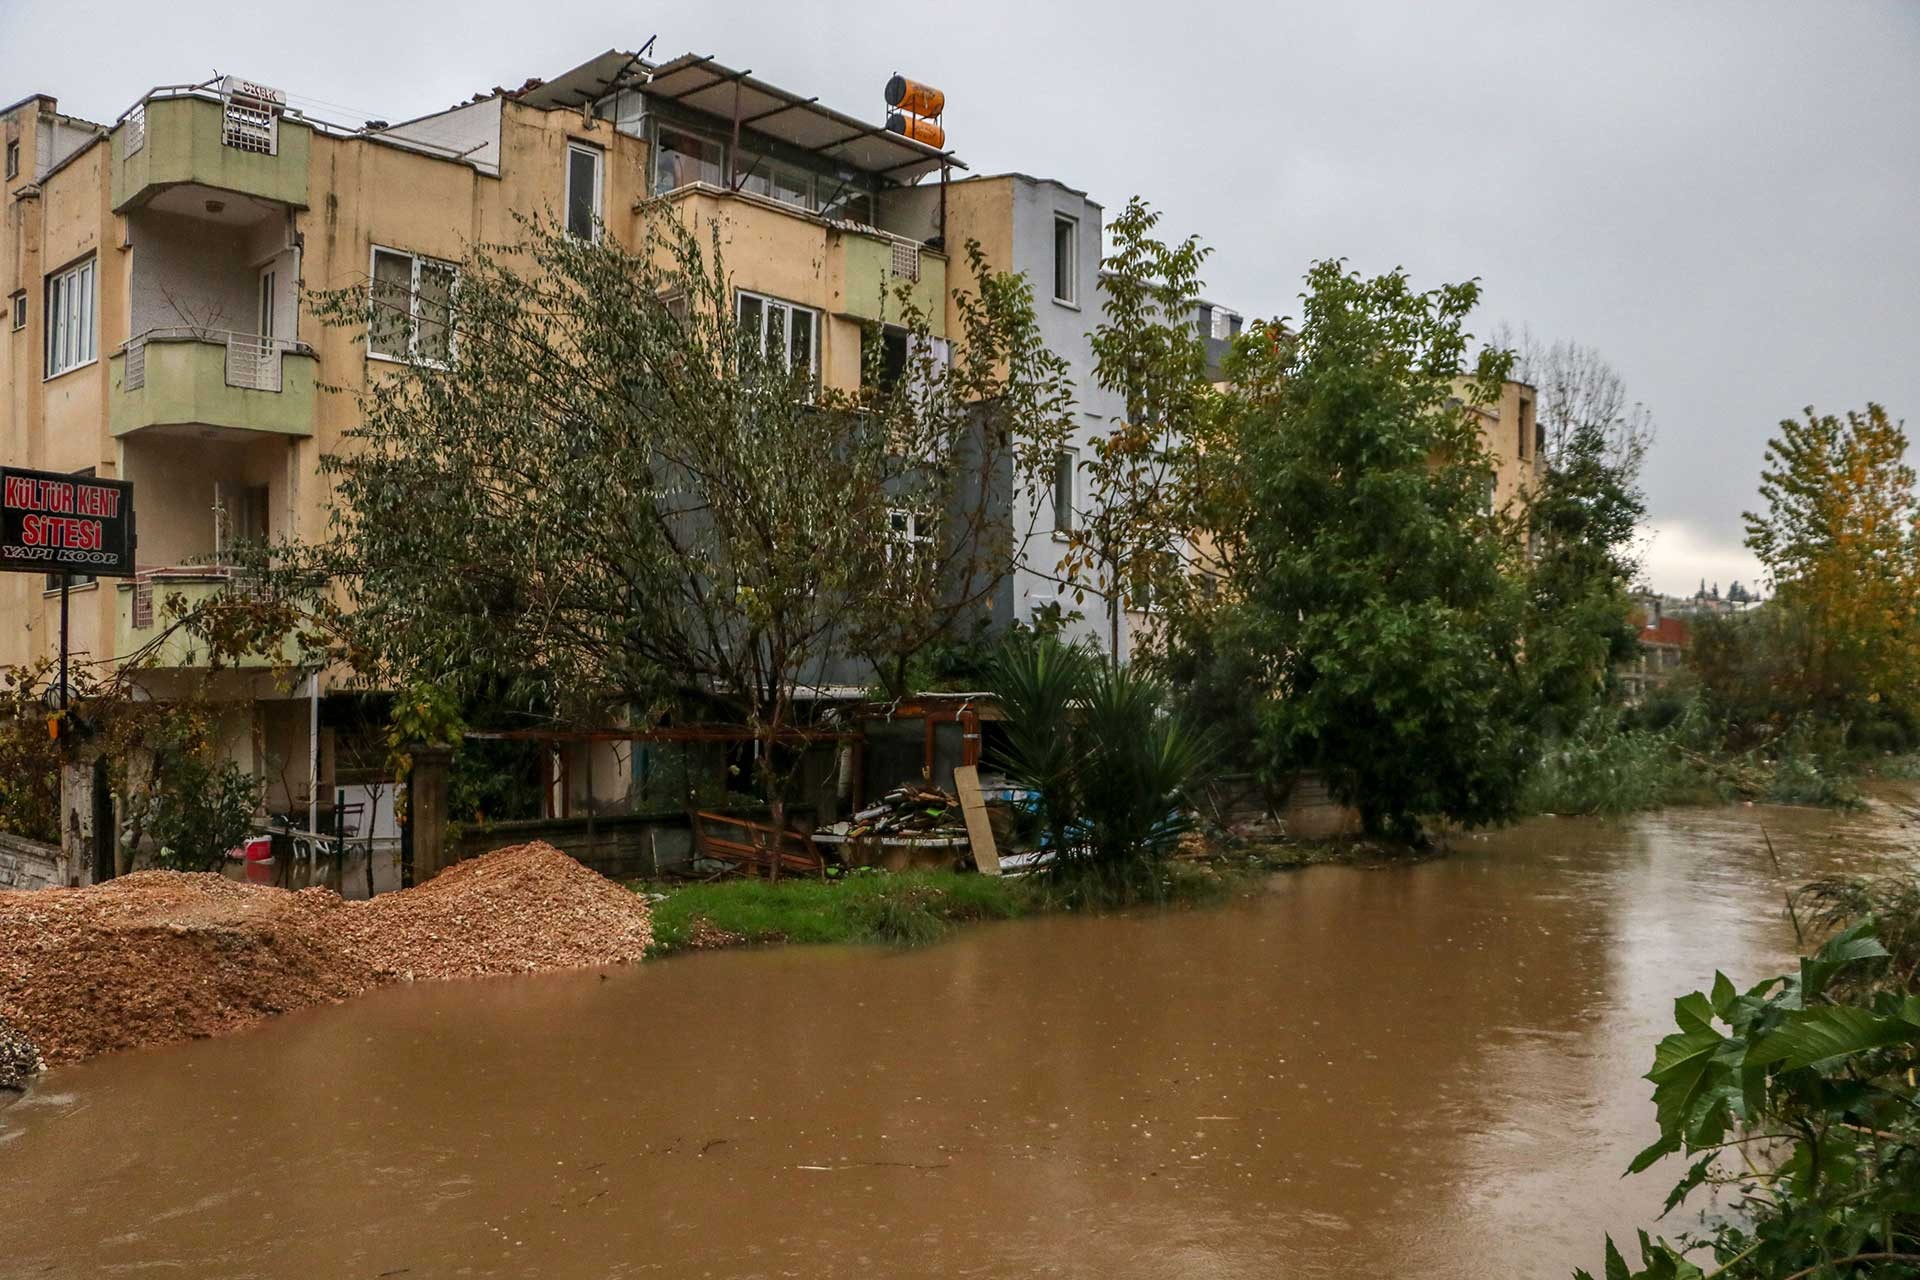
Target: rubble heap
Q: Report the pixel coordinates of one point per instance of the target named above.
(160, 956)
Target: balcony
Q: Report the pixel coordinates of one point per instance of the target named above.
(192, 377)
(797, 256)
(144, 617)
(182, 138)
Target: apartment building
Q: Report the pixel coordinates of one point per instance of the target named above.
(157, 266)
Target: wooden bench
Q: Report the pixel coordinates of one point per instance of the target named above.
(754, 845)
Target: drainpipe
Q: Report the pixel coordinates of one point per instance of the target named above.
(313, 754)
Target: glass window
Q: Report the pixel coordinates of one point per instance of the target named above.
(70, 328)
(1066, 259)
(583, 192)
(13, 159)
(683, 158)
(845, 204)
(780, 328)
(1063, 468)
(909, 535)
(777, 181)
(412, 311)
(20, 310)
(883, 357)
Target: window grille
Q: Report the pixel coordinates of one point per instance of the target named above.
(253, 362)
(142, 604)
(135, 376)
(134, 136)
(906, 260)
(252, 116)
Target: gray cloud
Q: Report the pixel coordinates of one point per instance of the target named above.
(1721, 195)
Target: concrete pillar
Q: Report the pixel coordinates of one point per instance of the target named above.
(78, 847)
(427, 811)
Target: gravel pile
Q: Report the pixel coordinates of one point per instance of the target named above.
(160, 956)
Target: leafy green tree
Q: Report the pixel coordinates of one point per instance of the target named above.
(1371, 581)
(1132, 544)
(1580, 526)
(612, 499)
(1840, 538)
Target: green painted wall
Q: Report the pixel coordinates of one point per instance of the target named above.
(869, 281)
(183, 145)
(180, 649)
(186, 384)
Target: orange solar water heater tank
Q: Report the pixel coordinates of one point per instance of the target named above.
(915, 98)
(919, 130)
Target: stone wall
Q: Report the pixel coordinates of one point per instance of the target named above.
(28, 864)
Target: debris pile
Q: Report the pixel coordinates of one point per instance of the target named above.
(913, 810)
(162, 955)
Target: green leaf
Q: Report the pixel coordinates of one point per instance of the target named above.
(1821, 1035)
(1724, 995)
(1616, 1265)
(1854, 944)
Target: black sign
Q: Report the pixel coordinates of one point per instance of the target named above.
(50, 521)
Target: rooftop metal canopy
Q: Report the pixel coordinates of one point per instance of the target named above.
(587, 83)
(704, 85)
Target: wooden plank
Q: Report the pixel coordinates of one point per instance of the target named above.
(973, 806)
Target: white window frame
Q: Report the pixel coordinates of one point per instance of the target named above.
(418, 260)
(17, 304)
(767, 304)
(1072, 297)
(13, 159)
(599, 158)
(71, 345)
(1071, 459)
(913, 539)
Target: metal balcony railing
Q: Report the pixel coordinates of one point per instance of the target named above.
(253, 361)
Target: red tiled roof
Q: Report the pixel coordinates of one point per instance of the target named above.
(1673, 631)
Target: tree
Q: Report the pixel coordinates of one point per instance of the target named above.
(1131, 545)
(1371, 582)
(1580, 524)
(613, 500)
(1840, 539)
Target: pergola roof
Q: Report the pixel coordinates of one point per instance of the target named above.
(700, 83)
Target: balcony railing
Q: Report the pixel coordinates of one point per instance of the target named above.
(253, 361)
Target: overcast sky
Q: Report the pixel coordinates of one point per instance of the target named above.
(1723, 196)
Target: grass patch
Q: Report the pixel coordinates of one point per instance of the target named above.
(902, 909)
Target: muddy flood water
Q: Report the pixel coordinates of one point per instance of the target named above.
(1427, 1070)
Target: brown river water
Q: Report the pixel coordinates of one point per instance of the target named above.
(1421, 1070)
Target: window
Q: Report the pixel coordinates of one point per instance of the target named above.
(70, 332)
(845, 204)
(777, 328)
(265, 328)
(74, 579)
(1064, 463)
(13, 159)
(883, 357)
(1526, 433)
(776, 181)
(19, 309)
(412, 311)
(683, 158)
(583, 191)
(1066, 259)
(909, 535)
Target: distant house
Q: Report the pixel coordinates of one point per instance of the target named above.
(1664, 641)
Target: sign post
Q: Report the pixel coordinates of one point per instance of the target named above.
(51, 522)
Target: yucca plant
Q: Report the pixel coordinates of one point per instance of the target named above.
(1114, 768)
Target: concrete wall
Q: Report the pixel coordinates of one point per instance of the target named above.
(620, 848)
(28, 864)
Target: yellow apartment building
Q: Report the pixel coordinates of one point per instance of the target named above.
(157, 267)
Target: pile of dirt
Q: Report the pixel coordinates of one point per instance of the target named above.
(160, 956)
